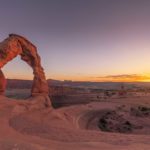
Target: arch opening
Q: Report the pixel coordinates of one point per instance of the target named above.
(19, 76)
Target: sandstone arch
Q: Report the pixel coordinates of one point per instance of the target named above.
(16, 45)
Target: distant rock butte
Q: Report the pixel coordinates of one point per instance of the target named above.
(16, 45)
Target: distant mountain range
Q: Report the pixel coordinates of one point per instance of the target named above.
(25, 84)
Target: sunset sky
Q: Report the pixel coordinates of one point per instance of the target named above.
(87, 40)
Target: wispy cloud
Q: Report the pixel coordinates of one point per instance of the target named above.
(124, 78)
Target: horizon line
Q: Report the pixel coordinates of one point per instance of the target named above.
(84, 81)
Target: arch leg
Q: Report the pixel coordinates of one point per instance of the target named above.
(2, 83)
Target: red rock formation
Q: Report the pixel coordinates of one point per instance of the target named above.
(2, 83)
(16, 45)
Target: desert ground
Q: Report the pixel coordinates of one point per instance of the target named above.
(116, 123)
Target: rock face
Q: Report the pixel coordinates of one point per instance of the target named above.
(16, 45)
(2, 83)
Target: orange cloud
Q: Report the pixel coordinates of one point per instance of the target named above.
(124, 78)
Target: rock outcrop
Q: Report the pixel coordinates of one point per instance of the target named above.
(16, 45)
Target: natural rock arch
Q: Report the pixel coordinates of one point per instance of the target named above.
(16, 45)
